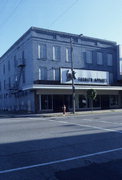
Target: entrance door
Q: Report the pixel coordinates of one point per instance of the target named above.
(105, 101)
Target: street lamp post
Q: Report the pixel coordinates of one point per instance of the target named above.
(72, 75)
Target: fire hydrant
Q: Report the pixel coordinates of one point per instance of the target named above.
(64, 109)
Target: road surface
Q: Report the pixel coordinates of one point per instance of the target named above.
(46, 147)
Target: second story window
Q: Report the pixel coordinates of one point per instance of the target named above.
(56, 74)
(8, 65)
(109, 59)
(99, 58)
(4, 69)
(42, 73)
(67, 54)
(88, 57)
(42, 51)
(56, 53)
(9, 82)
(15, 62)
(23, 57)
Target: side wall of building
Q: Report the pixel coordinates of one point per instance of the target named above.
(13, 76)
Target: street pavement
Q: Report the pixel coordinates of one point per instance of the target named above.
(42, 147)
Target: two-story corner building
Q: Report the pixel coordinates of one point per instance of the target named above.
(35, 73)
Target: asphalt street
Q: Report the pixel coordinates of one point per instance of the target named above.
(40, 147)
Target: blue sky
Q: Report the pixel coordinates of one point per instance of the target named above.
(94, 18)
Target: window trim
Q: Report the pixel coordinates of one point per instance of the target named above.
(40, 52)
(54, 58)
(67, 55)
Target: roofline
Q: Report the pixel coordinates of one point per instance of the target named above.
(73, 35)
(56, 32)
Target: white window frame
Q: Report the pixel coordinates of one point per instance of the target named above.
(40, 77)
(42, 51)
(55, 57)
(54, 53)
(40, 71)
(39, 51)
(67, 51)
(54, 74)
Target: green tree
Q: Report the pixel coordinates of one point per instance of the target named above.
(91, 94)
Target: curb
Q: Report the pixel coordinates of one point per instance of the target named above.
(60, 114)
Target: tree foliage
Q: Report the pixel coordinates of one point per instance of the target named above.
(91, 93)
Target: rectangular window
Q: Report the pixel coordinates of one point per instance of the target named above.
(23, 57)
(89, 57)
(8, 65)
(4, 69)
(56, 74)
(46, 102)
(42, 51)
(9, 82)
(67, 54)
(82, 101)
(114, 100)
(99, 58)
(109, 59)
(97, 102)
(111, 77)
(56, 53)
(15, 62)
(42, 73)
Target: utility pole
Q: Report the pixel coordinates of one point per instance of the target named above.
(72, 72)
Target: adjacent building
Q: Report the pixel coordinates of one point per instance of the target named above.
(35, 72)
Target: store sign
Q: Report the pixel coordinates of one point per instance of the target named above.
(84, 76)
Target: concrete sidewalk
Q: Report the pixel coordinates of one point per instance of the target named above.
(60, 114)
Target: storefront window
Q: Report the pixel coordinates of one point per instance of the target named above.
(96, 102)
(46, 102)
(113, 100)
(82, 101)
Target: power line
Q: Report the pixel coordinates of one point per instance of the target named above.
(3, 6)
(63, 13)
(11, 14)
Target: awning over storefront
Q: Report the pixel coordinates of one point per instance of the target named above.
(69, 87)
